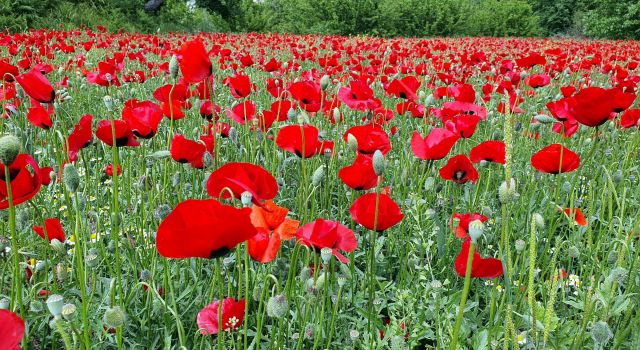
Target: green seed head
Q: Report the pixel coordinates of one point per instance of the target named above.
(114, 317)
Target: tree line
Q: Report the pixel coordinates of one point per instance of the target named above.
(612, 19)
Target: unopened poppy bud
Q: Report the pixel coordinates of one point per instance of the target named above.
(318, 176)
(379, 164)
(246, 197)
(397, 342)
(9, 149)
(175, 179)
(573, 252)
(114, 317)
(617, 176)
(285, 65)
(566, 187)
(207, 159)
(174, 67)
(476, 228)
(36, 306)
(233, 134)
(342, 280)
(520, 245)
(71, 177)
(544, 119)
(506, 193)
(539, 220)
(336, 114)
(321, 280)
(324, 82)
(619, 275)
(352, 142)
(534, 127)
(68, 311)
(55, 303)
(326, 254)
(61, 272)
(277, 306)
(108, 102)
(145, 275)
(601, 333)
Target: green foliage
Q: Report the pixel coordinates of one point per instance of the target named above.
(614, 19)
(409, 18)
(502, 18)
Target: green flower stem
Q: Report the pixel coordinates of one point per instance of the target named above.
(463, 299)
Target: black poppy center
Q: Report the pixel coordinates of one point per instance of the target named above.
(305, 101)
(122, 141)
(459, 175)
(220, 252)
(402, 94)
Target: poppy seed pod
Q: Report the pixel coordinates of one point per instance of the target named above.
(476, 229)
(277, 306)
(379, 163)
(246, 198)
(291, 114)
(108, 102)
(68, 311)
(326, 254)
(55, 303)
(9, 149)
(573, 252)
(114, 317)
(174, 67)
(71, 177)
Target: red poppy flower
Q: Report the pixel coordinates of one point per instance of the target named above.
(576, 215)
(459, 169)
(143, 117)
(175, 109)
(105, 76)
(187, 151)
(37, 86)
(462, 230)
(80, 137)
(308, 94)
(11, 330)
(370, 138)
(232, 316)
(108, 169)
(195, 64)
(169, 92)
(39, 117)
(240, 85)
(359, 175)
(593, 106)
(463, 93)
(630, 118)
(363, 211)
(24, 179)
(434, 146)
(242, 112)
(45, 175)
(464, 125)
(548, 159)
(328, 234)
(7, 71)
(123, 134)
(203, 229)
(358, 96)
(273, 226)
(53, 228)
(488, 151)
(299, 140)
(480, 267)
(537, 80)
(405, 88)
(241, 177)
(560, 110)
(209, 113)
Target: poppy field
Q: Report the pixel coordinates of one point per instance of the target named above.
(275, 191)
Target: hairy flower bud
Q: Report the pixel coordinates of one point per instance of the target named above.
(277, 306)
(174, 67)
(71, 177)
(9, 149)
(601, 333)
(114, 317)
(379, 163)
(318, 176)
